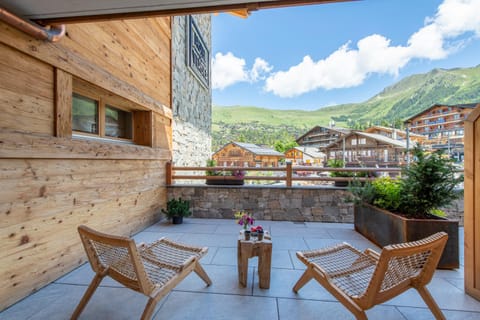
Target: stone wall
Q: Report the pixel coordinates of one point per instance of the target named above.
(191, 101)
(267, 203)
(325, 204)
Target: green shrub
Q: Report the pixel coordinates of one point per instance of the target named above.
(387, 193)
(177, 208)
(429, 183)
(337, 163)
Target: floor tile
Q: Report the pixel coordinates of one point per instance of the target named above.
(426, 314)
(191, 306)
(58, 301)
(83, 275)
(224, 281)
(282, 282)
(291, 309)
(445, 294)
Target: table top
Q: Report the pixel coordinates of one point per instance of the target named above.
(267, 238)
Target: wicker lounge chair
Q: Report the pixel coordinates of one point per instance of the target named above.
(152, 269)
(362, 280)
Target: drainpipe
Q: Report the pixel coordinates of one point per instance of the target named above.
(50, 33)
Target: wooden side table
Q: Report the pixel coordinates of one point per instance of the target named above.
(252, 248)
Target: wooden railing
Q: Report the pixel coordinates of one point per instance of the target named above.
(290, 173)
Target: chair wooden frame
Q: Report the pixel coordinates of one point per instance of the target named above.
(361, 280)
(153, 269)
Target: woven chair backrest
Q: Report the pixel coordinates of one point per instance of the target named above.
(410, 263)
(116, 256)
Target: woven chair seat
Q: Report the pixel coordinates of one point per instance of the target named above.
(361, 280)
(348, 268)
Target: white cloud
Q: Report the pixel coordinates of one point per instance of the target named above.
(347, 67)
(259, 70)
(228, 70)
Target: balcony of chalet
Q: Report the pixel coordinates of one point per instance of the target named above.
(288, 214)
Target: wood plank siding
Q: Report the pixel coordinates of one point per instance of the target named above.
(472, 203)
(51, 181)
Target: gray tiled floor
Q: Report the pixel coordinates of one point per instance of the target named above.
(225, 299)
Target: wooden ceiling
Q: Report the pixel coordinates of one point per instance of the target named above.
(69, 11)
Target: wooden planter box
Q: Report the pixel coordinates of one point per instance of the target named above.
(226, 181)
(383, 228)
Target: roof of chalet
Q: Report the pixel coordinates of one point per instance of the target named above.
(411, 134)
(64, 11)
(310, 151)
(337, 129)
(462, 106)
(378, 137)
(255, 149)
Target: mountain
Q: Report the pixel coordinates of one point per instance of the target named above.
(395, 103)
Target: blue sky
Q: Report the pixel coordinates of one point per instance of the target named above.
(319, 55)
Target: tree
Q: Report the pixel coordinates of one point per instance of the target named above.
(282, 146)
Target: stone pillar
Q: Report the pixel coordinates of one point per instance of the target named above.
(191, 99)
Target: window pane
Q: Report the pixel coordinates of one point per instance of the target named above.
(84, 114)
(118, 123)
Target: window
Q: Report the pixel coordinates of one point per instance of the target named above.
(235, 153)
(91, 116)
(84, 114)
(362, 141)
(118, 123)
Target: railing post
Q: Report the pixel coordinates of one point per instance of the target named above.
(168, 173)
(289, 174)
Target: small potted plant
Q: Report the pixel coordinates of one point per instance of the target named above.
(258, 230)
(223, 177)
(177, 209)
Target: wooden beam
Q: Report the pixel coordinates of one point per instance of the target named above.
(63, 104)
(193, 9)
(17, 145)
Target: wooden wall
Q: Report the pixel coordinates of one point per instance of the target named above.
(51, 182)
(472, 204)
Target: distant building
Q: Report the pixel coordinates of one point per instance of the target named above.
(367, 149)
(396, 134)
(247, 155)
(305, 156)
(321, 136)
(443, 125)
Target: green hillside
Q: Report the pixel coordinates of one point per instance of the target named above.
(395, 103)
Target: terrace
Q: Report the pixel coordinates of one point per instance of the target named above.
(55, 179)
(225, 298)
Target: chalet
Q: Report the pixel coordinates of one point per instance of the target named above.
(305, 156)
(321, 136)
(247, 155)
(443, 125)
(367, 149)
(396, 134)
